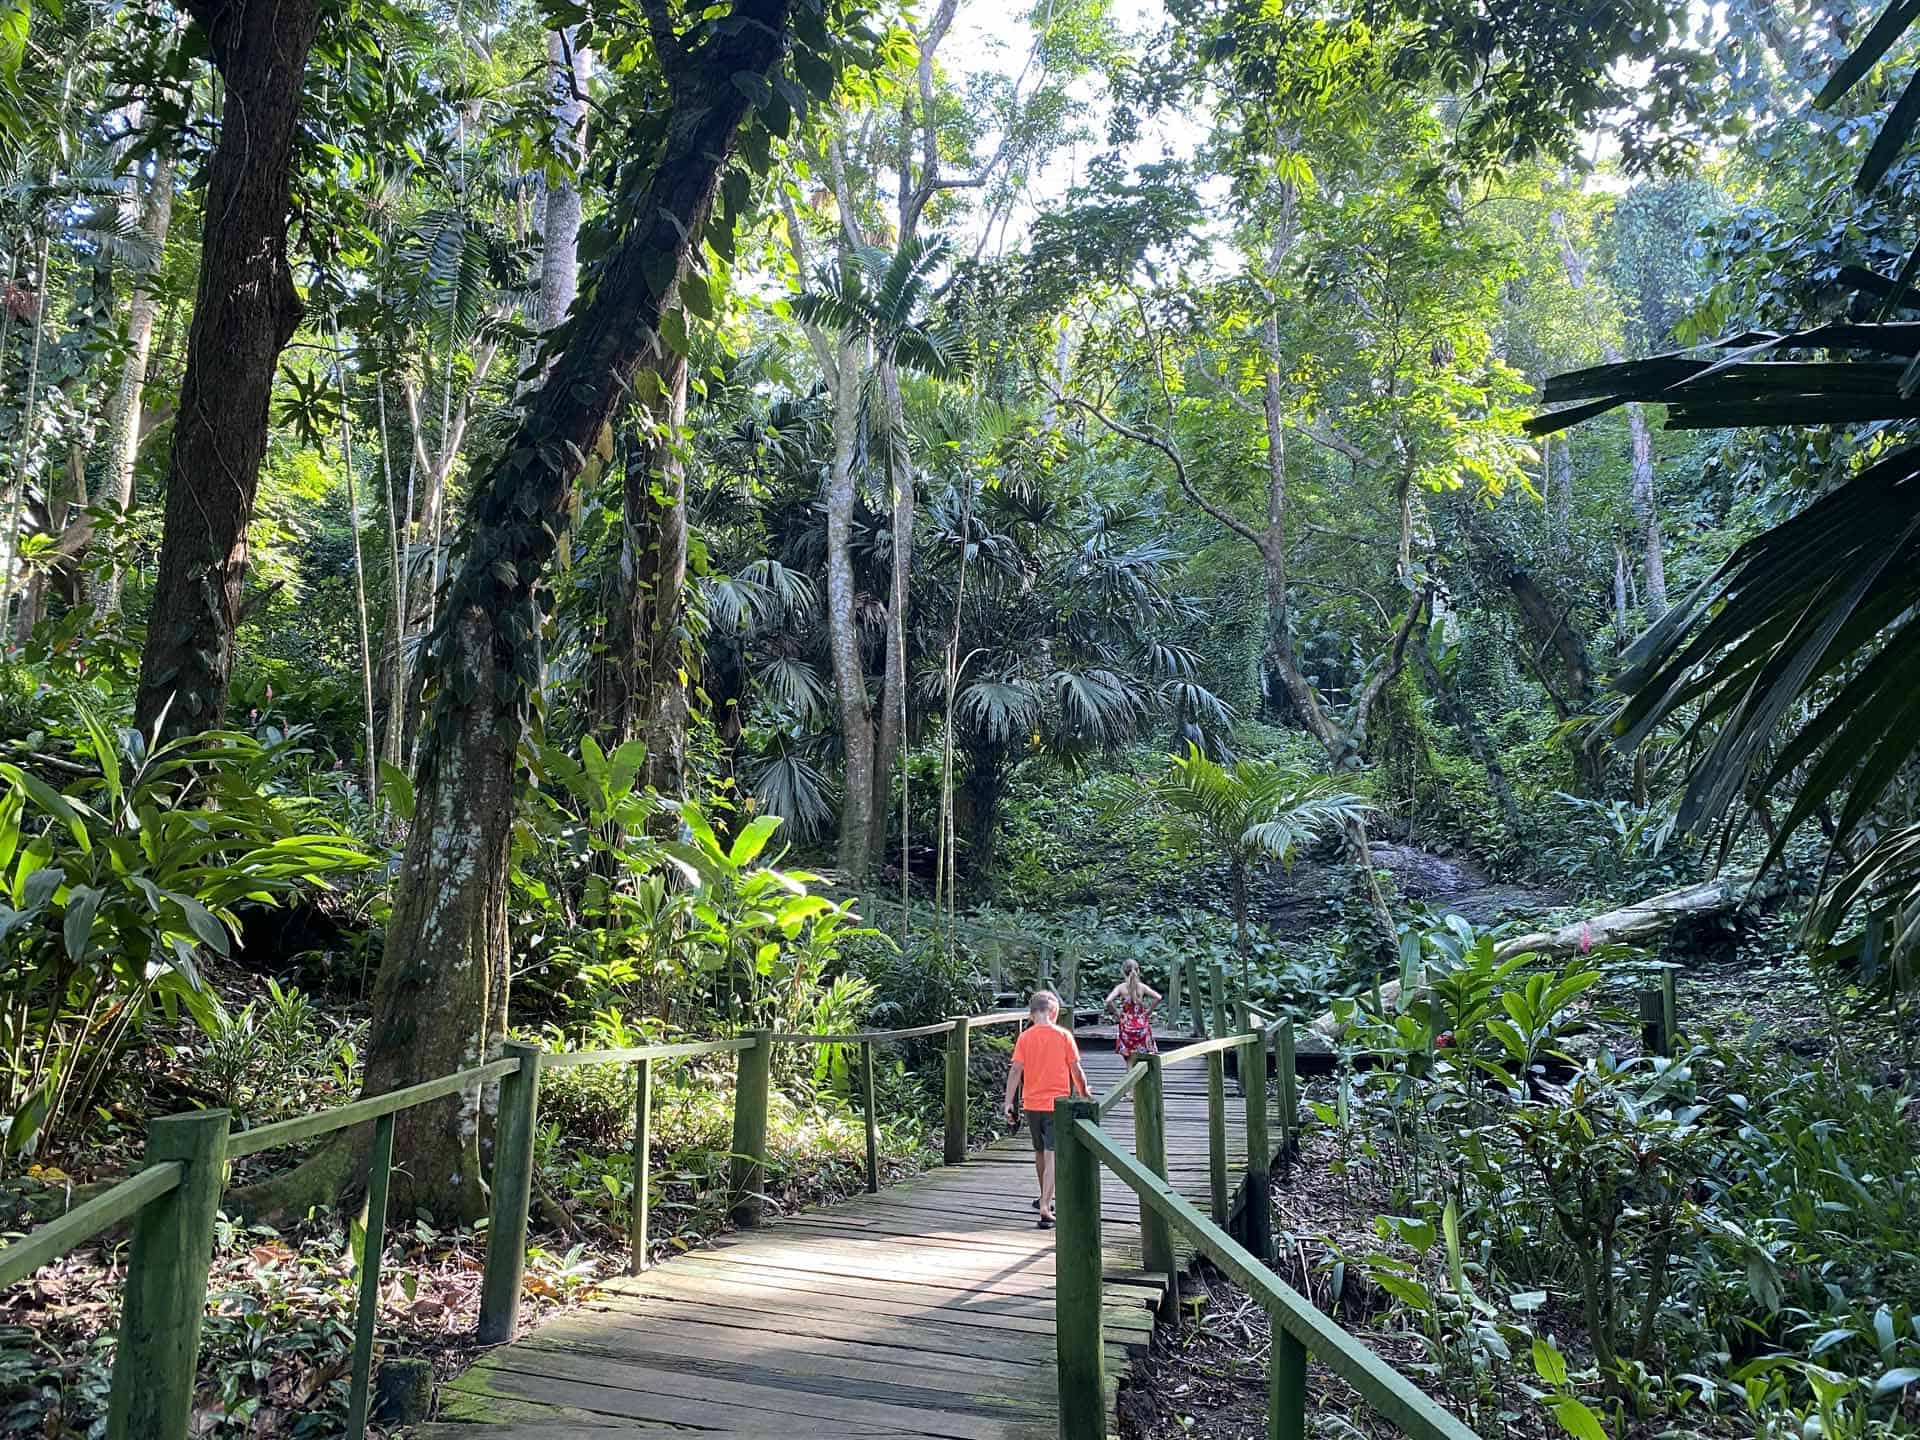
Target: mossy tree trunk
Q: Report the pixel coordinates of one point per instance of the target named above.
(637, 690)
(440, 1000)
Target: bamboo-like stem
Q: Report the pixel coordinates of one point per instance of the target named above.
(27, 418)
(372, 756)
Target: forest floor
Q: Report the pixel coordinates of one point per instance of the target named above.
(1207, 1374)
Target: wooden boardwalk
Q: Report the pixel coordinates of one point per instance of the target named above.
(924, 1310)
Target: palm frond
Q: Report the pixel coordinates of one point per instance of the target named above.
(1099, 708)
(795, 686)
(1252, 809)
(787, 785)
(999, 710)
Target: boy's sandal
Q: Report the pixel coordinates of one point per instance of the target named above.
(1045, 1222)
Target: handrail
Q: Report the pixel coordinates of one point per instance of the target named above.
(863, 1037)
(996, 1017)
(174, 1201)
(574, 1059)
(48, 1242)
(1208, 1047)
(1122, 1087)
(359, 1112)
(1390, 1393)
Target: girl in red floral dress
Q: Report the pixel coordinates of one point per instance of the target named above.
(1132, 1002)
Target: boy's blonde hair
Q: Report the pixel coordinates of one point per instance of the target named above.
(1044, 1002)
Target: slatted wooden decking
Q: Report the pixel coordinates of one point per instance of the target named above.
(925, 1310)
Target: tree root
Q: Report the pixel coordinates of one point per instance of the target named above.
(318, 1180)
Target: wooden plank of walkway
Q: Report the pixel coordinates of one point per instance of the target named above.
(925, 1310)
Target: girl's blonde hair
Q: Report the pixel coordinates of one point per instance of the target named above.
(1130, 969)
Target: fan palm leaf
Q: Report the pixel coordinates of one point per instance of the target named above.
(1248, 811)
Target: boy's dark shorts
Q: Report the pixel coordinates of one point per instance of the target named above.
(1041, 1123)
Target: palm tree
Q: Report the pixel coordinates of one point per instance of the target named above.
(886, 299)
(1249, 811)
(1060, 628)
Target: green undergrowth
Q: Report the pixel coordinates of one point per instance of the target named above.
(1557, 1233)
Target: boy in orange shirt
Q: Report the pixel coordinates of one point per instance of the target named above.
(1046, 1065)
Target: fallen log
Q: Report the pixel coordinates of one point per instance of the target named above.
(1629, 925)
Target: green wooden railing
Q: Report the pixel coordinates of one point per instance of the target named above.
(1299, 1328)
(173, 1202)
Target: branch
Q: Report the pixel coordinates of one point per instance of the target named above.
(666, 44)
(823, 353)
(1396, 655)
(914, 198)
(1143, 437)
(1333, 440)
(254, 601)
(843, 195)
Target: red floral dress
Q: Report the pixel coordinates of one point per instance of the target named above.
(1135, 1034)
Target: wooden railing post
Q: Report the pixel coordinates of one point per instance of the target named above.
(642, 1166)
(1286, 1387)
(166, 1287)
(1218, 986)
(366, 1314)
(1253, 1081)
(872, 1117)
(1670, 1002)
(1080, 1344)
(754, 1078)
(1150, 1144)
(1656, 1017)
(1173, 992)
(1217, 1133)
(512, 1193)
(1286, 1066)
(957, 1079)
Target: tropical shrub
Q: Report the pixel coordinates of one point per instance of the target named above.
(113, 894)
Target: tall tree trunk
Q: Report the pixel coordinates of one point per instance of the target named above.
(636, 691)
(245, 311)
(1647, 509)
(124, 411)
(1619, 597)
(24, 446)
(571, 68)
(440, 999)
(843, 634)
(393, 740)
(893, 693)
(371, 768)
(1479, 744)
(1640, 492)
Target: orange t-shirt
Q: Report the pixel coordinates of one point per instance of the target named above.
(1045, 1055)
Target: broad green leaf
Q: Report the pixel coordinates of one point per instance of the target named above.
(1549, 1364)
(1576, 1418)
(397, 789)
(51, 802)
(83, 903)
(748, 844)
(16, 18)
